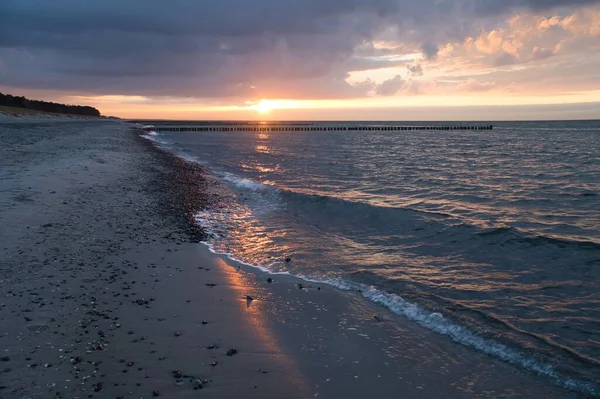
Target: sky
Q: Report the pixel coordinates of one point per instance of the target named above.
(307, 59)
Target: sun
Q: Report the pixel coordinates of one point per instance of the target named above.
(263, 107)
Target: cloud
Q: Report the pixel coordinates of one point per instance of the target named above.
(539, 53)
(252, 49)
(473, 85)
(430, 51)
(390, 87)
(415, 70)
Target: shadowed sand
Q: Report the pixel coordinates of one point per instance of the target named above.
(106, 293)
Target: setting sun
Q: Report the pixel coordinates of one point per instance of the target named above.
(263, 107)
(266, 106)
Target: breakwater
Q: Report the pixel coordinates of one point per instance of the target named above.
(305, 128)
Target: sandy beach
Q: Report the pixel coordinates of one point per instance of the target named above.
(106, 292)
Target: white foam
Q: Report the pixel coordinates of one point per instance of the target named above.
(229, 256)
(191, 159)
(154, 138)
(149, 138)
(243, 183)
(206, 222)
(462, 335)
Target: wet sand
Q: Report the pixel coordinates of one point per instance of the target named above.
(105, 292)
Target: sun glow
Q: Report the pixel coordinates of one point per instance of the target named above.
(266, 106)
(263, 107)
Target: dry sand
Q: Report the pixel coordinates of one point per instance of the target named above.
(105, 293)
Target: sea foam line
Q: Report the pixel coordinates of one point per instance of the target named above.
(435, 322)
(244, 183)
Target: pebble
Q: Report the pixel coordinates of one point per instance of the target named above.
(231, 352)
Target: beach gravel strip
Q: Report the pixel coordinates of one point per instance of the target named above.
(82, 204)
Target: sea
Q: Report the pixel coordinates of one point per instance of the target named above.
(489, 237)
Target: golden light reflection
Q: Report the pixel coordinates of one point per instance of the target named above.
(258, 318)
(263, 149)
(255, 239)
(265, 169)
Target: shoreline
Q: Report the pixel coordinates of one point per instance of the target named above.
(104, 284)
(547, 367)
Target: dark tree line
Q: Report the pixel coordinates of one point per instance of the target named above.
(21, 102)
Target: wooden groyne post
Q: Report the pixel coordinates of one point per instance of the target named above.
(308, 128)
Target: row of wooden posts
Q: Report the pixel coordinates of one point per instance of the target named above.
(275, 128)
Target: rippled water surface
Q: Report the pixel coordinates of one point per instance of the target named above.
(494, 232)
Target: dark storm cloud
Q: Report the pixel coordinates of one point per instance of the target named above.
(218, 48)
(490, 7)
(430, 50)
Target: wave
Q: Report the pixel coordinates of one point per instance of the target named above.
(539, 240)
(443, 222)
(154, 137)
(433, 321)
(149, 137)
(462, 335)
(243, 183)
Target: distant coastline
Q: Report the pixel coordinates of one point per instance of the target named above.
(19, 106)
(10, 114)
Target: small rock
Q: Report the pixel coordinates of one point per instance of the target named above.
(177, 374)
(97, 387)
(269, 280)
(231, 352)
(5, 358)
(155, 393)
